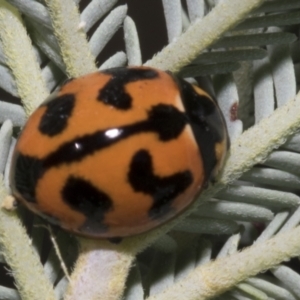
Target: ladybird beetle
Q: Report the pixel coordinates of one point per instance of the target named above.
(118, 152)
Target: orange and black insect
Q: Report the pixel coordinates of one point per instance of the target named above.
(118, 152)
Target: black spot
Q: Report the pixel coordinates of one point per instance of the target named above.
(207, 124)
(25, 174)
(114, 94)
(82, 196)
(165, 120)
(58, 111)
(163, 189)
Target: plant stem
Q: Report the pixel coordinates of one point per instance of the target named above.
(71, 37)
(19, 254)
(202, 34)
(21, 59)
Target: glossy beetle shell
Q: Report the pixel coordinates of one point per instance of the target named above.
(118, 152)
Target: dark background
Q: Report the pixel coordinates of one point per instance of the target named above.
(149, 19)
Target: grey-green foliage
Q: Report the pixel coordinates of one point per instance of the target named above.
(255, 64)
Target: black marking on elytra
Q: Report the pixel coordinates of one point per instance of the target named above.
(207, 124)
(165, 120)
(89, 200)
(57, 114)
(27, 171)
(81, 195)
(163, 190)
(114, 94)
